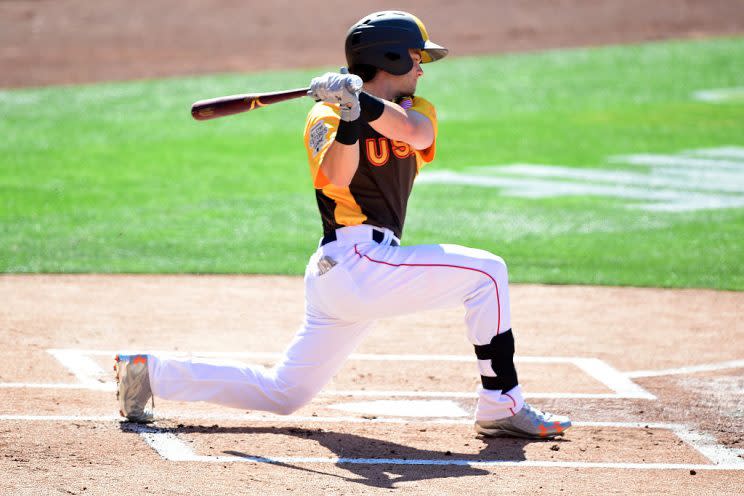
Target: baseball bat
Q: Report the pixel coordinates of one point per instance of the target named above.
(234, 104)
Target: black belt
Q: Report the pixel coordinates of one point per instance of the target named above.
(377, 237)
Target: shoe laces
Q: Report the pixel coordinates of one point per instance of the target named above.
(535, 414)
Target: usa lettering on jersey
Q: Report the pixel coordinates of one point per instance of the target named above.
(378, 150)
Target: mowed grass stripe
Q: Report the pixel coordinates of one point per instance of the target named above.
(118, 178)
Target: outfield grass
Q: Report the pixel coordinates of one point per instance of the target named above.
(118, 178)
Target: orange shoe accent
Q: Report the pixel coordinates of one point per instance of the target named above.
(543, 430)
(139, 359)
(558, 427)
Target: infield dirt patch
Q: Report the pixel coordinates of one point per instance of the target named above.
(59, 427)
(78, 41)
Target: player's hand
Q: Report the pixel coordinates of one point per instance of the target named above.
(350, 109)
(335, 87)
(340, 88)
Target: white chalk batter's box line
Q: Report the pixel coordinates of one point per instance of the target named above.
(170, 447)
(92, 376)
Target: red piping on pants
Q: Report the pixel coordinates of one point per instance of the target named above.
(515, 403)
(498, 301)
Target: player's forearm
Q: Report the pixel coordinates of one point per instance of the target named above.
(340, 163)
(399, 124)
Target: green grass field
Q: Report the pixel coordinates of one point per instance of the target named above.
(118, 177)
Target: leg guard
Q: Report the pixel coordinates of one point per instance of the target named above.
(496, 362)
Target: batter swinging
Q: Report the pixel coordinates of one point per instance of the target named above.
(367, 138)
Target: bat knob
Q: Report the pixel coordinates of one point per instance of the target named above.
(354, 83)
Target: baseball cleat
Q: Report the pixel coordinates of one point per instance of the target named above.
(529, 422)
(133, 388)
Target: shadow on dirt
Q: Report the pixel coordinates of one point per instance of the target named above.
(375, 462)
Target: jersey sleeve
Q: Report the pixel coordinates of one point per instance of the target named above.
(426, 108)
(320, 131)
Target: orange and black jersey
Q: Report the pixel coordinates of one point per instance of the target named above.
(379, 191)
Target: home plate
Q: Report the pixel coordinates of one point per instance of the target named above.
(403, 408)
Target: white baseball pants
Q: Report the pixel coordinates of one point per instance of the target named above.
(368, 281)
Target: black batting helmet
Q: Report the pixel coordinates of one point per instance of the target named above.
(381, 41)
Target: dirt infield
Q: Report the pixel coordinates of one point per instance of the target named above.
(652, 381)
(76, 41)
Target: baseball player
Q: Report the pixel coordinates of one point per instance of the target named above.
(367, 139)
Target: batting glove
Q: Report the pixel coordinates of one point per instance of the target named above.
(340, 88)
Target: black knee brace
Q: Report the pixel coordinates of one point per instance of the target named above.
(500, 351)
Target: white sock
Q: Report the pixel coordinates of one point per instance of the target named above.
(495, 405)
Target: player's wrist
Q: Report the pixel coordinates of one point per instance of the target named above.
(348, 132)
(371, 106)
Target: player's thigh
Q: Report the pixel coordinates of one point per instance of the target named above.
(400, 280)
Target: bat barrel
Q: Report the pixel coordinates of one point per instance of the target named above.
(217, 107)
(234, 104)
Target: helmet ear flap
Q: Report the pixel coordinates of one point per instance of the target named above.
(399, 61)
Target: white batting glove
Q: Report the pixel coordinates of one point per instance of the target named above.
(340, 88)
(350, 109)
